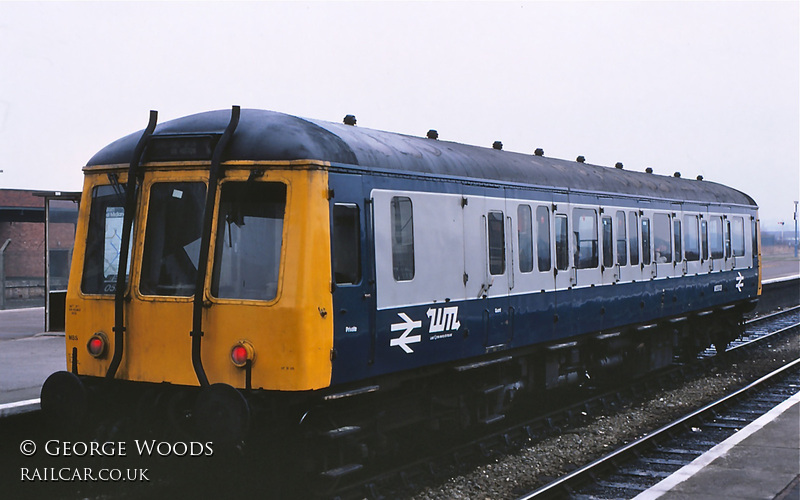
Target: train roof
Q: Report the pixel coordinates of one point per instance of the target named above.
(269, 135)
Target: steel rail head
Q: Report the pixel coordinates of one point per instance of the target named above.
(127, 225)
(563, 484)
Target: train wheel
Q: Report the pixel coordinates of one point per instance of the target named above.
(221, 414)
(65, 399)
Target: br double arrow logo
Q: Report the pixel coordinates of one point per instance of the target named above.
(407, 326)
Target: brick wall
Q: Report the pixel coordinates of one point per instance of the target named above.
(24, 256)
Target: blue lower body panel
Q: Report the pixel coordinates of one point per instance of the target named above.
(425, 335)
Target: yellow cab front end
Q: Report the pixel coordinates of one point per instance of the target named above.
(266, 321)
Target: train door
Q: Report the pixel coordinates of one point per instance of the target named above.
(739, 226)
(716, 241)
(498, 272)
(563, 270)
(586, 246)
(353, 280)
(679, 268)
(706, 265)
(691, 243)
(662, 237)
(646, 237)
(608, 265)
(628, 248)
(173, 223)
(735, 248)
(486, 264)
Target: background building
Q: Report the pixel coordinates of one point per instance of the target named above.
(23, 239)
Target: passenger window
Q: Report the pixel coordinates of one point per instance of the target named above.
(691, 238)
(704, 238)
(715, 238)
(586, 238)
(662, 239)
(346, 244)
(172, 238)
(622, 240)
(608, 243)
(104, 241)
(676, 237)
(562, 245)
(497, 246)
(633, 225)
(543, 238)
(525, 237)
(646, 252)
(249, 240)
(402, 238)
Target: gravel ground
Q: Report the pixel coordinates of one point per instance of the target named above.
(512, 475)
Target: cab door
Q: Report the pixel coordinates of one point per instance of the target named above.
(352, 280)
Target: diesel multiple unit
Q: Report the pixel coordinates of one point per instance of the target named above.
(270, 268)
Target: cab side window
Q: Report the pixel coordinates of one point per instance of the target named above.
(346, 244)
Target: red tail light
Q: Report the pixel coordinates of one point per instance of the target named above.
(97, 345)
(241, 352)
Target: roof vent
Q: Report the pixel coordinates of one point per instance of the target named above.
(618, 165)
(497, 145)
(580, 159)
(432, 134)
(676, 174)
(539, 152)
(649, 170)
(350, 120)
(699, 177)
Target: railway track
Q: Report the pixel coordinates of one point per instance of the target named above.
(762, 326)
(637, 466)
(405, 479)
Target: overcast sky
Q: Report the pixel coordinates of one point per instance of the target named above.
(700, 88)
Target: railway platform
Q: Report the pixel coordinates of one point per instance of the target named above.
(761, 461)
(27, 356)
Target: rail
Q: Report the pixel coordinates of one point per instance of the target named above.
(568, 483)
